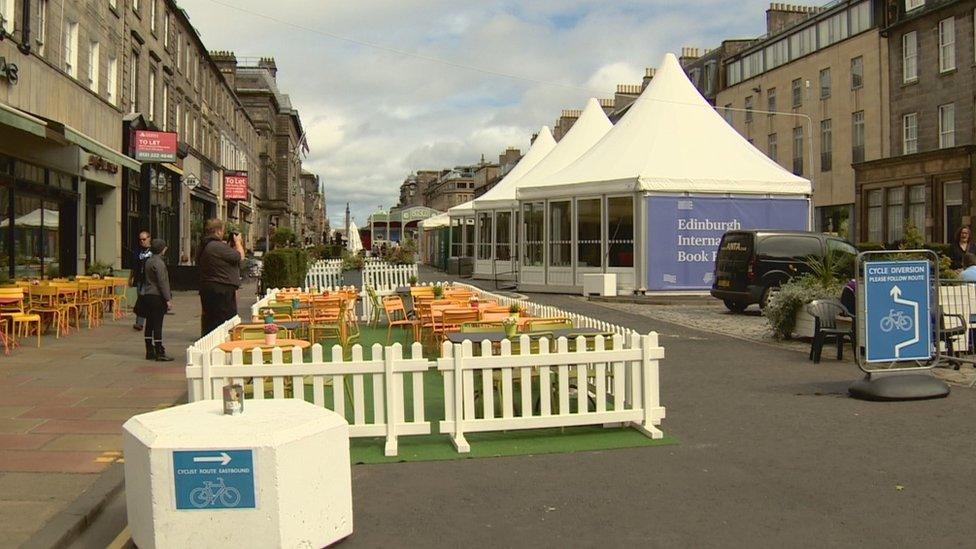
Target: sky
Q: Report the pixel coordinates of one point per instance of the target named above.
(388, 87)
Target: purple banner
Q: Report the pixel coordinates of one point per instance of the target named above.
(683, 233)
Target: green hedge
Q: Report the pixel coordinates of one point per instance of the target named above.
(284, 267)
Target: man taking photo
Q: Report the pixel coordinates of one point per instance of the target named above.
(219, 261)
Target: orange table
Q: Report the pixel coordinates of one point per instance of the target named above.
(248, 344)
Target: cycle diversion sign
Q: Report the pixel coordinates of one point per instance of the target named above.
(897, 321)
(214, 479)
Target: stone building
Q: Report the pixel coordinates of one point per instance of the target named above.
(452, 187)
(928, 179)
(707, 70)
(825, 69)
(488, 174)
(61, 163)
(413, 190)
(281, 140)
(312, 230)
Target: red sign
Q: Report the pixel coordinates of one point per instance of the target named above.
(154, 146)
(235, 185)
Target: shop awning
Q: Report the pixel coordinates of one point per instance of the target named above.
(95, 147)
(19, 119)
(173, 168)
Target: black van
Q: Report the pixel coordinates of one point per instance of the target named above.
(751, 263)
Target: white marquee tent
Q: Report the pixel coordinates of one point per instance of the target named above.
(650, 200)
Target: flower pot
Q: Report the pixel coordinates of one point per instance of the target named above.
(270, 339)
(269, 319)
(511, 330)
(804, 324)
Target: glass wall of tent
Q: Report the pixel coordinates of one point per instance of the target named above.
(456, 237)
(565, 238)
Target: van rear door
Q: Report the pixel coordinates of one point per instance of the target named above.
(732, 261)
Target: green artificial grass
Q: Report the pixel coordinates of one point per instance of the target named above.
(438, 446)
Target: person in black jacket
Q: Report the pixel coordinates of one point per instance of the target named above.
(158, 300)
(138, 277)
(961, 245)
(219, 262)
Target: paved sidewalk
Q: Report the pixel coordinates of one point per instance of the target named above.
(62, 407)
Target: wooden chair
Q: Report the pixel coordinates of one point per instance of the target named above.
(396, 315)
(421, 292)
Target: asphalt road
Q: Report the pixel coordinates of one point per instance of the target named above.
(772, 453)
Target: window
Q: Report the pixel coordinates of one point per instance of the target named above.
(456, 237)
(179, 53)
(789, 247)
(41, 38)
(916, 206)
(533, 218)
(951, 208)
(857, 72)
(947, 45)
(165, 30)
(826, 146)
(797, 92)
(503, 236)
(913, 4)
(875, 223)
(710, 77)
(134, 81)
(733, 73)
(620, 231)
(589, 225)
(165, 107)
(71, 49)
(93, 66)
(825, 83)
(803, 42)
(771, 100)
(773, 148)
(860, 17)
(179, 122)
(7, 15)
(909, 57)
(857, 137)
(777, 54)
(728, 114)
(135, 6)
(798, 150)
(947, 126)
(896, 214)
(152, 94)
(114, 4)
(112, 81)
(748, 109)
(909, 140)
(560, 239)
(484, 235)
(152, 16)
(469, 237)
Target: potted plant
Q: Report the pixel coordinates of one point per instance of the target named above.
(268, 315)
(786, 311)
(412, 280)
(515, 309)
(270, 334)
(438, 291)
(511, 326)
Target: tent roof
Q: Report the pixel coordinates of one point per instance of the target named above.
(505, 189)
(460, 210)
(441, 220)
(589, 128)
(671, 140)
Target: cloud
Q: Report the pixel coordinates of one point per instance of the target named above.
(374, 115)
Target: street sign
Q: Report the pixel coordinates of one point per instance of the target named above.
(214, 479)
(898, 321)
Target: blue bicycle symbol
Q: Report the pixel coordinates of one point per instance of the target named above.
(896, 319)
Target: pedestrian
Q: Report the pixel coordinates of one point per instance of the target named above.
(962, 244)
(968, 273)
(219, 261)
(157, 300)
(138, 278)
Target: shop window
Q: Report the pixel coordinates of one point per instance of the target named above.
(896, 214)
(533, 215)
(875, 223)
(503, 236)
(588, 233)
(560, 239)
(620, 231)
(484, 235)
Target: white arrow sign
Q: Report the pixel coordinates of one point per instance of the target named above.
(896, 297)
(222, 459)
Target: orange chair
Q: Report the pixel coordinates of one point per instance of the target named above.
(44, 301)
(452, 319)
(15, 312)
(396, 315)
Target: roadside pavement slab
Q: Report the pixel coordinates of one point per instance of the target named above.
(80, 426)
(18, 518)
(14, 426)
(56, 412)
(7, 412)
(122, 414)
(86, 392)
(85, 443)
(40, 461)
(13, 380)
(23, 442)
(32, 400)
(42, 487)
(148, 402)
(162, 392)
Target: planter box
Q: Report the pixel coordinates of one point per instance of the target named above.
(804, 324)
(600, 284)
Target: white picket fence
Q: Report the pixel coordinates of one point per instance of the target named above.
(387, 276)
(324, 273)
(202, 347)
(384, 372)
(615, 385)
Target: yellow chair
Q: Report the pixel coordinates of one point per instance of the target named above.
(19, 318)
(44, 302)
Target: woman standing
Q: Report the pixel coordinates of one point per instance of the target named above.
(962, 244)
(158, 301)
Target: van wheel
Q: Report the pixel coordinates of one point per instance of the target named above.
(767, 293)
(734, 306)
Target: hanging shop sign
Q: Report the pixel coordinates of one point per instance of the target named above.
(150, 146)
(8, 71)
(235, 185)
